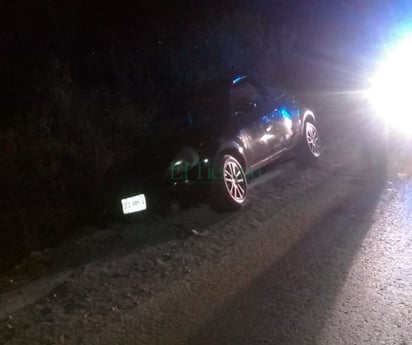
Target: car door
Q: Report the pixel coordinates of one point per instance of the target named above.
(249, 108)
(284, 114)
(290, 110)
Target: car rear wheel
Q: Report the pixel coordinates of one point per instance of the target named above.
(310, 146)
(230, 188)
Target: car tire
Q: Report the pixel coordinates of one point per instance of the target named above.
(230, 187)
(309, 149)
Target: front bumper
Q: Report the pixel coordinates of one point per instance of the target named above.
(160, 195)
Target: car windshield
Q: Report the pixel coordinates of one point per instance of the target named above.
(204, 106)
(199, 107)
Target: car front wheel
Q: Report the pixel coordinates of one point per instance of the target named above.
(230, 189)
(309, 148)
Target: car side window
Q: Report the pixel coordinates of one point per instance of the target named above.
(244, 98)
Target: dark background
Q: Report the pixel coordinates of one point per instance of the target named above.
(80, 82)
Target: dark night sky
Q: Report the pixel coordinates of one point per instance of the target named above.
(33, 30)
(92, 18)
(41, 22)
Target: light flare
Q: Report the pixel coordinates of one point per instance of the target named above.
(391, 88)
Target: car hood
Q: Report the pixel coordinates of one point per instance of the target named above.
(147, 166)
(160, 153)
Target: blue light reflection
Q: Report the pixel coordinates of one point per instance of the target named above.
(238, 79)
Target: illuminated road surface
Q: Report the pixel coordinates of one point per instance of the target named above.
(349, 282)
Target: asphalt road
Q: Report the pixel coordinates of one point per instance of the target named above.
(348, 280)
(321, 255)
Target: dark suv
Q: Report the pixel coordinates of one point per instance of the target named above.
(222, 133)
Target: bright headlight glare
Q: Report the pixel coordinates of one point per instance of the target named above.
(391, 87)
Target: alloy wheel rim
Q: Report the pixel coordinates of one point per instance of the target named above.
(235, 181)
(312, 139)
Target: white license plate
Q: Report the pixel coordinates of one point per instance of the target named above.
(134, 204)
